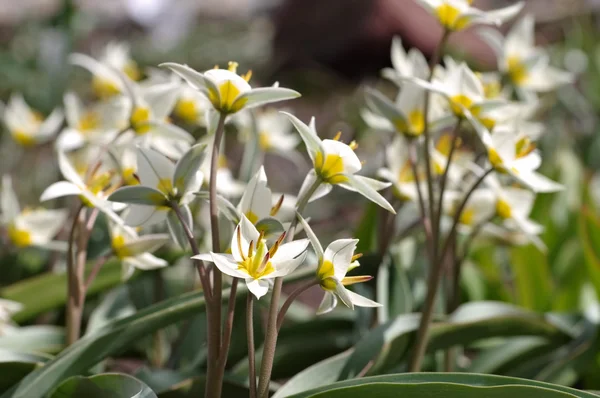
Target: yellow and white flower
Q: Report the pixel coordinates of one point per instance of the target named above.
(107, 71)
(335, 163)
(526, 66)
(227, 91)
(29, 227)
(253, 261)
(456, 15)
(191, 105)
(92, 183)
(273, 128)
(7, 309)
(28, 127)
(256, 202)
(399, 171)
(135, 251)
(405, 64)
(163, 185)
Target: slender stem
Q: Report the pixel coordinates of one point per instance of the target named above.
(435, 59)
(73, 321)
(195, 250)
(214, 374)
(250, 335)
(444, 180)
(266, 366)
(424, 219)
(100, 261)
(293, 296)
(434, 282)
(228, 328)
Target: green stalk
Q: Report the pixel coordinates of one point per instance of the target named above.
(266, 367)
(250, 337)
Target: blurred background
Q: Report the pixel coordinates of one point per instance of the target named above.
(329, 51)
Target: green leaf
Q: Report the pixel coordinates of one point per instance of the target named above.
(113, 338)
(139, 195)
(442, 390)
(194, 387)
(320, 374)
(532, 278)
(40, 338)
(48, 291)
(366, 231)
(15, 365)
(513, 351)
(224, 205)
(107, 385)
(589, 230)
(425, 380)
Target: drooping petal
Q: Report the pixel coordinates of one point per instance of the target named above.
(314, 241)
(226, 264)
(258, 287)
(328, 303)
(51, 125)
(146, 261)
(343, 294)
(68, 171)
(368, 192)
(321, 191)
(146, 243)
(154, 169)
(308, 135)
(43, 224)
(187, 167)
(192, 77)
(289, 251)
(361, 301)
(265, 95)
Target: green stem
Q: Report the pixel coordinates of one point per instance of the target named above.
(293, 296)
(250, 336)
(271, 331)
(412, 158)
(434, 282)
(73, 315)
(214, 375)
(444, 180)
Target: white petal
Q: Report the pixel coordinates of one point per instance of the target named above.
(60, 189)
(339, 253)
(351, 161)
(9, 204)
(258, 287)
(266, 95)
(140, 215)
(68, 171)
(312, 237)
(227, 265)
(361, 301)
(257, 196)
(365, 189)
(327, 304)
(43, 224)
(288, 266)
(248, 233)
(52, 123)
(153, 167)
(308, 135)
(146, 243)
(192, 77)
(321, 191)
(146, 261)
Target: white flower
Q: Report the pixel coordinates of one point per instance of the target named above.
(273, 128)
(335, 163)
(149, 109)
(93, 184)
(96, 125)
(526, 66)
(256, 202)
(163, 185)
(29, 227)
(227, 185)
(399, 171)
(7, 309)
(191, 105)
(253, 261)
(107, 71)
(455, 15)
(134, 251)
(510, 154)
(411, 64)
(227, 91)
(478, 209)
(28, 127)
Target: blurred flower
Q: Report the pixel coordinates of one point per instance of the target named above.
(455, 15)
(227, 91)
(107, 80)
(253, 261)
(335, 163)
(29, 227)
(28, 127)
(399, 171)
(134, 251)
(273, 128)
(91, 182)
(191, 106)
(525, 65)
(163, 185)
(7, 309)
(411, 64)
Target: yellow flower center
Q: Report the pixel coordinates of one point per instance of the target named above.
(467, 217)
(413, 126)
(256, 264)
(450, 17)
(325, 274)
(264, 141)
(517, 71)
(492, 89)
(225, 99)
(165, 185)
(503, 209)
(496, 160)
(139, 120)
(19, 237)
(251, 216)
(460, 102)
(23, 138)
(104, 88)
(129, 176)
(186, 110)
(132, 71)
(330, 168)
(89, 121)
(524, 147)
(118, 246)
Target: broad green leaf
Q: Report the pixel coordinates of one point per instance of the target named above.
(532, 278)
(106, 385)
(366, 233)
(113, 338)
(320, 374)
(512, 351)
(39, 338)
(589, 230)
(441, 390)
(194, 387)
(48, 291)
(15, 365)
(467, 379)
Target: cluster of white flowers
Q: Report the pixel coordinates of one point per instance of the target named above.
(497, 107)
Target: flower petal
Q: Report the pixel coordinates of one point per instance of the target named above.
(146, 243)
(153, 168)
(60, 189)
(227, 265)
(194, 78)
(314, 241)
(256, 200)
(328, 303)
(368, 192)
(140, 195)
(141, 215)
(186, 169)
(361, 301)
(248, 233)
(258, 287)
(265, 95)
(339, 253)
(9, 204)
(308, 135)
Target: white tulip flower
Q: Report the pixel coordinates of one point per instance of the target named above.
(335, 163)
(135, 251)
(28, 127)
(273, 128)
(253, 261)
(399, 171)
(227, 91)
(456, 15)
(29, 227)
(526, 66)
(256, 202)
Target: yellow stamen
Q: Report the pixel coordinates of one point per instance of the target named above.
(247, 76)
(250, 249)
(186, 110)
(356, 257)
(275, 209)
(517, 71)
(232, 66)
(264, 141)
(351, 280)
(503, 209)
(353, 145)
(337, 136)
(19, 237)
(89, 121)
(118, 246)
(239, 242)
